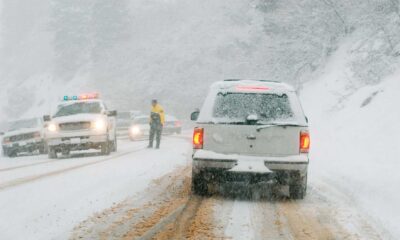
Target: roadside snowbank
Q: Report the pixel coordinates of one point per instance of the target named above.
(355, 141)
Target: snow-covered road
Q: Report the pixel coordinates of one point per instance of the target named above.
(42, 199)
(167, 210)
(139, 193)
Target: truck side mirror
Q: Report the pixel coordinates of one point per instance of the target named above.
(195, 115)
(112, 113)
(46, 118)
(306, 119)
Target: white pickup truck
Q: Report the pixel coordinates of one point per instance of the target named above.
(24, 136)
(81, 123)
(251, 130)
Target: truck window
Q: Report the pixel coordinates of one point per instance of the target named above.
(26, 123)
(237, 106)
(78, 108)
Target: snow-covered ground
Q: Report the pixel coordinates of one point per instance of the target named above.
(45, 201)
(353, 180)
(132, 192)
(355, 141)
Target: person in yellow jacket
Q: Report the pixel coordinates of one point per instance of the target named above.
(157, 120)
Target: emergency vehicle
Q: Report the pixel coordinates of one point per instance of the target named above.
(81, 123)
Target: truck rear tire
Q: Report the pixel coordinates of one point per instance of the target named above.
(298, 190)
(199, 184)
(114, 145)
(43, 149)
(65, 152)
(105, 148)
(12, 154)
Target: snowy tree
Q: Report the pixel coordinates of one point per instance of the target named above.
(110, 25)
(71, 24)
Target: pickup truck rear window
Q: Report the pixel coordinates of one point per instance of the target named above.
(236, 107)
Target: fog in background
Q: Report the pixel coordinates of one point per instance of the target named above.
(133, 51)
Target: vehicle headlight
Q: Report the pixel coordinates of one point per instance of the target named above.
(135, 130)
(52, 127)
(99, 125)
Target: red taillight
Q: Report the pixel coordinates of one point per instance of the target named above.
(198, 135)
(304, 142)
(178, 124)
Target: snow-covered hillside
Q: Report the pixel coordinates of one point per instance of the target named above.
(342, 56)
(132, 51)
(356, 138)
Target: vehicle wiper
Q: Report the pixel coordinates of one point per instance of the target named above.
(226, 123)
(206, 122)
(233, 123)
(279, 124)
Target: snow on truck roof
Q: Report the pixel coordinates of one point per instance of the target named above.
(250, 85)
(66, 103)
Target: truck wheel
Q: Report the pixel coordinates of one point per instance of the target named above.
(4, 153)
(12, 154)
(105, 148)
(52, 153)
(199, 184)
(299, 190)
(43, 149)
(65, 152)
(114, 145)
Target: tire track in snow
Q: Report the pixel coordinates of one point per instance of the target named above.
(266, 217)
(26, 165)
(337, 209)
(143, 214)
(165, 210)
(58, 160)
(171, 212)
(302, 224)
(33, 178)
(196, 221)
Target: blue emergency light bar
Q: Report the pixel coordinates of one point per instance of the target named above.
(81, 97)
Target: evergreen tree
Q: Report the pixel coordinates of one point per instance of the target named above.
(111, 33)
(71, 24)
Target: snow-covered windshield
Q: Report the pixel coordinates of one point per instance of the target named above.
(78, 108)
(26, 123)
(236, 107)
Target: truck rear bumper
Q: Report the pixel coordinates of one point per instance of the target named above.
(205, 160)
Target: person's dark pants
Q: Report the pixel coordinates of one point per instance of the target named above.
(155, 130)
